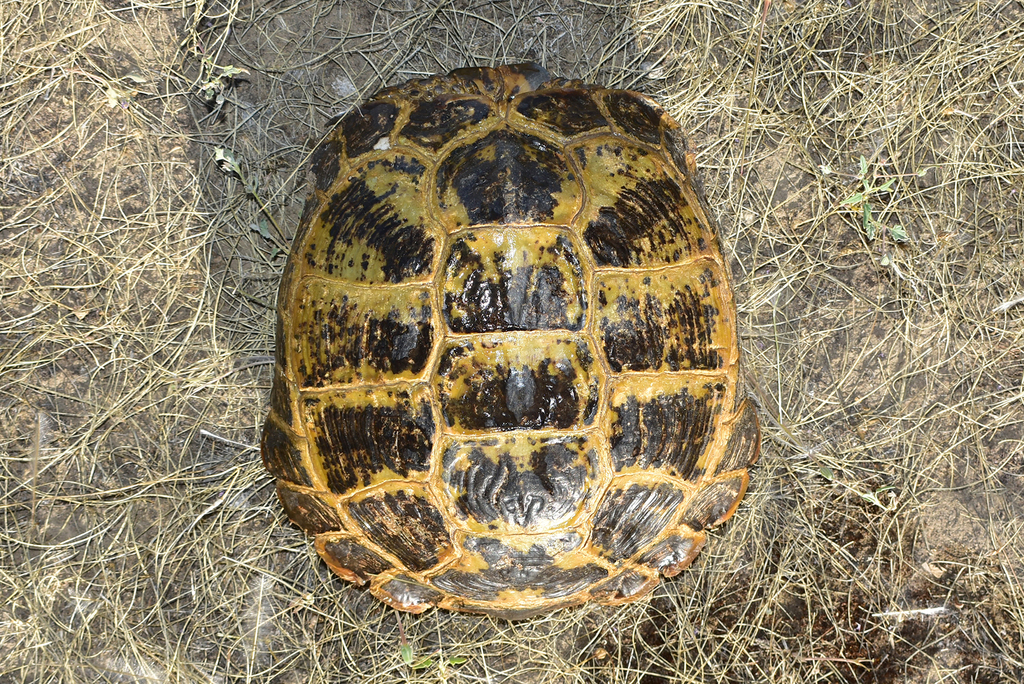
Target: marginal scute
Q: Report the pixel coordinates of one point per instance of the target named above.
(521, 78)
(512, 382)
(744, 442)
(324, 164)
(669, 320)
(349, 559)
(635, 115)
(310, 509)
(367, 436)
(520, 481)
(403, 521)
(673, 554)
(364, 126)
(666, 427)
(632, 516)
(282, 453)
(637, 214)
(716, 503)
(374, 227)
(506, 177)
(523, 279)
(626, 586)
(567, 112)
(282, 397)
(434, 123)
(406, 593)
(499, 83)
(534, 567)
(365, 334)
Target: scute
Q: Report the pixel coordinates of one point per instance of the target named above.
(636, 116)
(529, 279)
(373, 228)
(666, 427)
(434, 123)
(519, 482)
(349, 558)
(632, 516)
(714, 504)
(365, 127)
(404, 521)
(363, 334)
(566, 112)
(506, 177)
(506, 361)
(627, 586)
(669, 320)
(638, 214)
(673, 554)
(364, 437)
(309, 509)
(512, 383)
(544, 567)
(283, 453)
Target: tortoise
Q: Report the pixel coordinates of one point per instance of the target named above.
(507, 367)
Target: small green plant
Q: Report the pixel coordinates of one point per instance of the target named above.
(219, 79)
(227, 163)
(409, 657)
(875, 497)
(862, 200)
(868, 191)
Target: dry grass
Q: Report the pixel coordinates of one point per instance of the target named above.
(881, 539)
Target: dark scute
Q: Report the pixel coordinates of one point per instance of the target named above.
(361, 561)
(567, 111)
(357, 213)
(484, 79)
(643, 218)
(281, 398)
(678, 146)
(503, 398)
(281, 457)
(435, 122)
(631, 518)
(524, 298)
(634, 115)
(406, 591)
(348, 335)
(709, 507)
(325, 162)
(551, 489)
(621, 587)
(355, 442)
(533, 73)
(307, 511)
(365, 125)
(744, 442)
(667, 556)
(509, 568)
(643, 337)
(405, 524)
(671, 431)
(279, 346)
(505, 177)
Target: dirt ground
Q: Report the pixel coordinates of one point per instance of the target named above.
(866, 164)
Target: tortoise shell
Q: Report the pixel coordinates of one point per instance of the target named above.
(506, 368)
